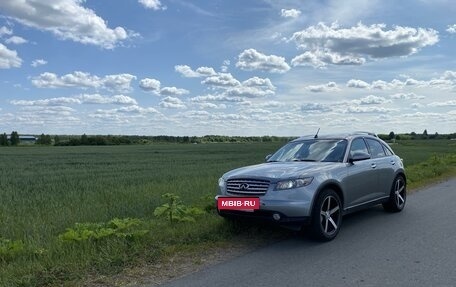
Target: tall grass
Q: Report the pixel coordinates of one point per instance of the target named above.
(46, 190)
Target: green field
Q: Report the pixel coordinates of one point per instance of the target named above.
(45, 190)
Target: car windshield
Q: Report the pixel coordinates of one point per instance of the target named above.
(320, 150)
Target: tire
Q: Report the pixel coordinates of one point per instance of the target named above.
(326, 216)
(398, 195)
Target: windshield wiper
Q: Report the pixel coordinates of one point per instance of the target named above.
(303, 159)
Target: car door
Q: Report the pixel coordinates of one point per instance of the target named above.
(384, 166)
(361, 183)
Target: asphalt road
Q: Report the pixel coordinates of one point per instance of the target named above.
(414, 248)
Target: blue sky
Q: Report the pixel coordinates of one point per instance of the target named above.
(233, 67)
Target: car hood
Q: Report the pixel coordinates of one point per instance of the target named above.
(280, 170)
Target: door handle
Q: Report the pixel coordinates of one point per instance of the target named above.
(373, 165)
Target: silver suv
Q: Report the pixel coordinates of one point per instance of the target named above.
(315, 180)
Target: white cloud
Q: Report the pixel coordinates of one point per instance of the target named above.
(451, 29)
(350, 46)
(225, 66)
(314, 107)
(264, 83)
(446, 81)
(38, 62)
(354, 83)
(15, 40)
(290, 13)
(212, 106)
(152, 4)
(251, 59)
(406, 96)
(154, 86)
(9, 58)
(372, 100)
(150, 85)
(123, 100)
(249, 92)
(78, 79)
(229, 117)
(98, 99)
(449, 75)
(47, 102)
(217, 98)
(417, 105)
(205, 71)
(321, 58)
(270, 104)
(379, 85)
(172, 103)
(5, 31)
(451, 103)
(173, 91)
(394, 84)
(362, 110)
(130, 110)
(50, 110)
(187, 72)
(67, 19)
(253, 88)
(81, 99)
(196, 115)
(329, 87)
(221, 80)
(119, 82)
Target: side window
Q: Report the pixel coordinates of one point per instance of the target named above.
(387, 150)
(375, 148)
(358, 146)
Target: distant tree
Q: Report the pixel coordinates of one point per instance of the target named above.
(398, 137)
(14, 138)
(84, 139)
(56, 140)
(413, 135)
(425, 134)
(391, 135)
(47, 140)
(4, 139)
(40, 139)
(44, 139)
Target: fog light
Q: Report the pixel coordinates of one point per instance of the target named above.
(276, 216)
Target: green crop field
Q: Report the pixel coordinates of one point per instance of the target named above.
(46, 190)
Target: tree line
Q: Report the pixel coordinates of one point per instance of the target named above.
(76, 140)
(416, 136)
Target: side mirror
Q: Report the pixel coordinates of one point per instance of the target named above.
(357, 156)
(268, 157)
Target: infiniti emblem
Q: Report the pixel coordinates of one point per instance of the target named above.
(244, 187)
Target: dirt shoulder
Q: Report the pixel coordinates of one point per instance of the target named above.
(182, 263)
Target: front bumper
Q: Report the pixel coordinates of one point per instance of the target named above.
(283, 212)
(266, 216)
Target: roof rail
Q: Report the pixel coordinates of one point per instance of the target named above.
(365, 133)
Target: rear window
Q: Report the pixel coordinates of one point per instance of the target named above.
(375, 148)
(387, 149)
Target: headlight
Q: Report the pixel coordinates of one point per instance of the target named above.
(221, 182)
(293, 183)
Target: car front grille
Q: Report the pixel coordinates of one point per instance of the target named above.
(247, 186)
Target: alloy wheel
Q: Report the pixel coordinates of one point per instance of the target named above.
(399, 192)
(330, 215)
